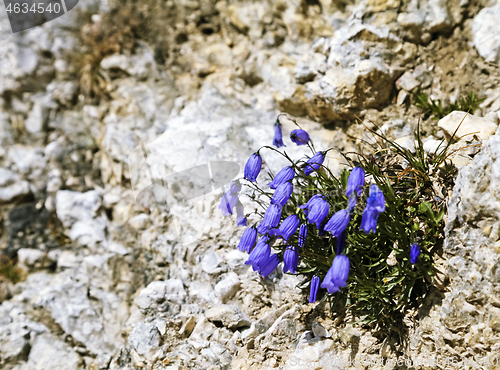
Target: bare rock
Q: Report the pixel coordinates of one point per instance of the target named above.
(228, 316)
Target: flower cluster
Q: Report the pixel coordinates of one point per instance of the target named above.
(291, 230)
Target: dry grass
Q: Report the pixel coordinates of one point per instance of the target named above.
(9, 270)
(117, 32)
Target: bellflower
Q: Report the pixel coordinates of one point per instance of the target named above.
(282, 194)
(339, 221)
(240, 214)
(268, 265)
(318, 212)
(306, 207)
(356, 181)
(271, 218)
(302, 235)
(336, 277)
(299, 137)
(414, 253)
(278, 135)
(230, 198)
(248, 239)
(376, 199)
(289, 226)
(314, 163)
(369, 220)
(260, 253)
(286, 174)
(374, 205)
(290, 260)
(253, 167)
(314, 288)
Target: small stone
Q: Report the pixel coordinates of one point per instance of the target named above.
(139, 222)
(402, 95)
(406, 142)
(227, 287)
(471, 125)
(486, 33)
(188, 327)
(28, 257)
(228, 316)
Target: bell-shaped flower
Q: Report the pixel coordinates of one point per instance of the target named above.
(290, 260)
(315, 281)
(339, 221)
(289, 226)
(302, 235)
(376, 199)
(278, 135)
(253, 167)
(369, 220)
(271, 219)
(337, 275)
(314, 163)
(299, 137)
(286, 174)
(230, 198)
(248, 239)
(414, 253)
(318, 212)
(282, 194)
(240, 214)
(268, 265)
(260, 253)
(306, 207)
(356, 181)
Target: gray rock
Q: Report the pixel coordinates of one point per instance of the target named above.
(227, 287)
(486, 33)
(48, 352)
(170, 290)
(229, 316)
(145, 339)
(79, 214)
(14, 343)
(26, 160)
(11, 186)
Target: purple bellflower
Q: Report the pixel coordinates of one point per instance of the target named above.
(282, 194)
(302, 235)
(260, 253)
(375, 204)
(299, 137)
(253, 167)
(286, 174)
(339, 221)
(356, 181)
(248, 239)
(315, 281)
(318, 212)
(314, 163)
(289, 226)
(278, 135)
(271, 219)
(336, 277)
(290, 260)
(230, 198)
(268, 265)
(414, 253)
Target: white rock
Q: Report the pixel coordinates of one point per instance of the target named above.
(229, 316)
(139, 222)
(48, 352)
(227, 287)
(210, 261)
(27, 160)
(145, 339)
(79, 214)
(171, 290)
(29, 257)
(141, 65)
(11, 186)
(486, 33)
(481, 127)
(406, 142)
(430, 146)
(37, 116)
